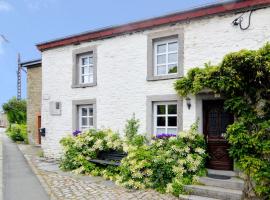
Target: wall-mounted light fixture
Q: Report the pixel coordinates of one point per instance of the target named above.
(188, 100)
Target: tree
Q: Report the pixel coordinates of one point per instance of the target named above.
(243, 79)
(15, 110)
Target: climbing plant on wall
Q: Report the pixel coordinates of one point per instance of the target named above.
(243, 79)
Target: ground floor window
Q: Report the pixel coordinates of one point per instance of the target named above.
(86, 117)
(165, 118)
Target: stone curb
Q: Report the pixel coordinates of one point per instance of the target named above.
(1, 166)
(39, 176)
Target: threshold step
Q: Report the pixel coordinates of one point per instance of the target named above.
(194, 197)
(222, 172)
(232, 183)
(214, 192)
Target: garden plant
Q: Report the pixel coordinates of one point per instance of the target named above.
(243, 80)
(164, 163)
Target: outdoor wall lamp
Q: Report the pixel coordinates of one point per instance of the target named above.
(188, 100)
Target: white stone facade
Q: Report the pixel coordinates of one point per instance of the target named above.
(122, 87)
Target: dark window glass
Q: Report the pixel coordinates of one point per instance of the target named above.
(172, 109)
(172, 121)
(161, 109)
(161, 121)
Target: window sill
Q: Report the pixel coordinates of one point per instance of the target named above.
(165, 77)
(84, 85)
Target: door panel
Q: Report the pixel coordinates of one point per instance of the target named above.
(216, 121)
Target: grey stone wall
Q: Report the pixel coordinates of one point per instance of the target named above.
(34, 86)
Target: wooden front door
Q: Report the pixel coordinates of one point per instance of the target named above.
(215, 122)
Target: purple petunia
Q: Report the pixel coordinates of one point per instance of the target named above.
(76, 133)
(165, 135)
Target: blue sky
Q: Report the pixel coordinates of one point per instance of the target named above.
(27, 22)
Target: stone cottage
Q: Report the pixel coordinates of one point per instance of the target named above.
(34, 82)
(98, 79)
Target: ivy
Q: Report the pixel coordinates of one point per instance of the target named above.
(243, 79)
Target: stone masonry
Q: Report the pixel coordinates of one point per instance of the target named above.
(34, 82)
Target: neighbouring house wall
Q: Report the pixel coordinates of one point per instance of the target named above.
(3, 120)
(34, 81)
(122, 87)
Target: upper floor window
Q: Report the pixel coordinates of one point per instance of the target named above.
(166, 57)
(165, 54)
(84, 67)
(86, 71)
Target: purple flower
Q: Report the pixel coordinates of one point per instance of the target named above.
(165, 135)
(76, 133)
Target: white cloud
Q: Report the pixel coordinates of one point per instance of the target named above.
(35, 5)
(5, 6)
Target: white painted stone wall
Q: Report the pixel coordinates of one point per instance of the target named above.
(121, 73)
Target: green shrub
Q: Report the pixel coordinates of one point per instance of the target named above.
(242, 79)
(18, 133)
(80, 149)
(131, 128)
(166, 164)
(16, 111)
(162, 164)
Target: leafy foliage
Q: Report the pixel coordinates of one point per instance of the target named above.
(164, 164)
(18, 133)
(243, 79)
(131, 128)
(16, 111)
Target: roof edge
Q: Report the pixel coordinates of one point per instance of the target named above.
(31, 63)
(152, 22)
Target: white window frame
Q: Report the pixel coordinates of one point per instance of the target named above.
(166, 53)
(89, 65)
(166, 115)
(88, 116)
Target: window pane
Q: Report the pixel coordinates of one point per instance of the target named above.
(161, 121)
(85, 70)
(90, 60)
(91, 79)
(161, 109)
(91, 121)
(173, 46)
(161, 48)
(161, 70)
(90, 111)
(85, 61)
(85, 79)
(160, 130)
(84, 111)
(91, 70)
(172, 131)
(161, 59)
(172, 109)
(172, 121)
(172, 68)
(172, 57)
(84, 121)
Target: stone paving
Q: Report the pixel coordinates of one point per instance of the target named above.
(67, 186)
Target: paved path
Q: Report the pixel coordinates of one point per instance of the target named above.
(67, 186)
(20, 183)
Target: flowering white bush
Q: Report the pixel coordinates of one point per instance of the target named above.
(165, 163)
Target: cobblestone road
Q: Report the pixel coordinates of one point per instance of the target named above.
(66, 186)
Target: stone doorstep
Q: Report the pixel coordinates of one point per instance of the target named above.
(222, 172)
(214, 192)
(232, 183)
(194, 197)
